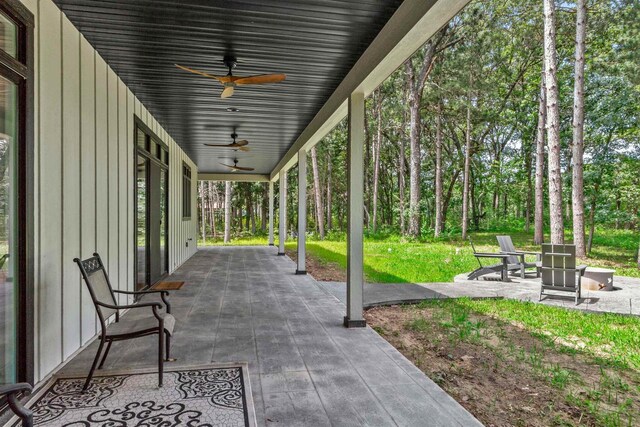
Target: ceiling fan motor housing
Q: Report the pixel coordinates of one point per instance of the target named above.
(230, 62)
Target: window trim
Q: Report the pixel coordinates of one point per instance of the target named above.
(20, 71)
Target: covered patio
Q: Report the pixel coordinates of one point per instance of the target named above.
(244, 304)
(113, 139)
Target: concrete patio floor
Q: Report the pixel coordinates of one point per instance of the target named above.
(245, 304)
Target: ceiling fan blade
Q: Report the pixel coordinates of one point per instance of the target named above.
(229, 166)
(243, 148)
(227, 92)
(241, 143)
(261, 79)
(240, 168)
(218, 145)
(200, 73)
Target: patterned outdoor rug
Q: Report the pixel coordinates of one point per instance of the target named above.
(206, 396)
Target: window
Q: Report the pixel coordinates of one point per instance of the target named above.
(16, 192)
(186, 192)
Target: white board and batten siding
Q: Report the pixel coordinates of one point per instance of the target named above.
(84, 180)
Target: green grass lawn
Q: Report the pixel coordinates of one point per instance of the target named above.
(610, 338)
(583, 367)
(392, 260)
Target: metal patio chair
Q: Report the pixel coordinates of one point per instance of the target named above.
(518, 257)
(104, 300)
(559, 271)
(10, 391)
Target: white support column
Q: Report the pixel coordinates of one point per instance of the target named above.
(270, 213)
(355, 208)
(282, 225)
(302, 211)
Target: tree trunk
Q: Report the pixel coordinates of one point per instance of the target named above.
(416, 81)
(553, 124)
(317, 193)
(527, 208)
(447, 198)
(438, 207)
(592, 214)
(213, 202)
(203, 218)
(467, 169)
(401, 185)
(251, 211)
(227, 211)
(578, 129)
(376, 159)
(264, 207)
(538, 220)
(329, 213)
(414, 163)
(367, 162)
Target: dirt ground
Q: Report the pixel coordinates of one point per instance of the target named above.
(505, 376)
(320, 270)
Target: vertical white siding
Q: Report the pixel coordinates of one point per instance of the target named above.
(34, 8)
(84, 183)
(71, 285)
(87, 176)
(49, 281)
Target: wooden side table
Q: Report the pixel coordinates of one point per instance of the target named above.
(168, 286)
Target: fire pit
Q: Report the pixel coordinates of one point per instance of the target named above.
(598, 279)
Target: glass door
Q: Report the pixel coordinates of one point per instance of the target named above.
(141, 222)
(164, 224)
(8, 283)
(151, 211)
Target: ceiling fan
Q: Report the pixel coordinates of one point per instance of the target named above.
(236, 145)
(230, 81)
(235, 166)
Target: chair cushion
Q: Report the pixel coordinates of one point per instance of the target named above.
(125, 327)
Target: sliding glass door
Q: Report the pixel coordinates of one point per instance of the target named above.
(16, 193)
(8, 284)
(151, 211)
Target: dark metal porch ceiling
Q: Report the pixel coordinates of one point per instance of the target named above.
(314, 42)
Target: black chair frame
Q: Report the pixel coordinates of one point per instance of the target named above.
(93, 264)
(11, 391)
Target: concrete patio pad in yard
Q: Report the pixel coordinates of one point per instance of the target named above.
(245, 304)
(625, 299)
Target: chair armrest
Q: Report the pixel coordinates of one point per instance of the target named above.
(163, 295)
(141, 292)
(123, 307)
(10, 391)
(15, 388)
(154, 306)
(490, 255)
(530, 253)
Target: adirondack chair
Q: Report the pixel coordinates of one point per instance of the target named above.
(502, 267)
(104, 300)
(518, 257)
(559, 271)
